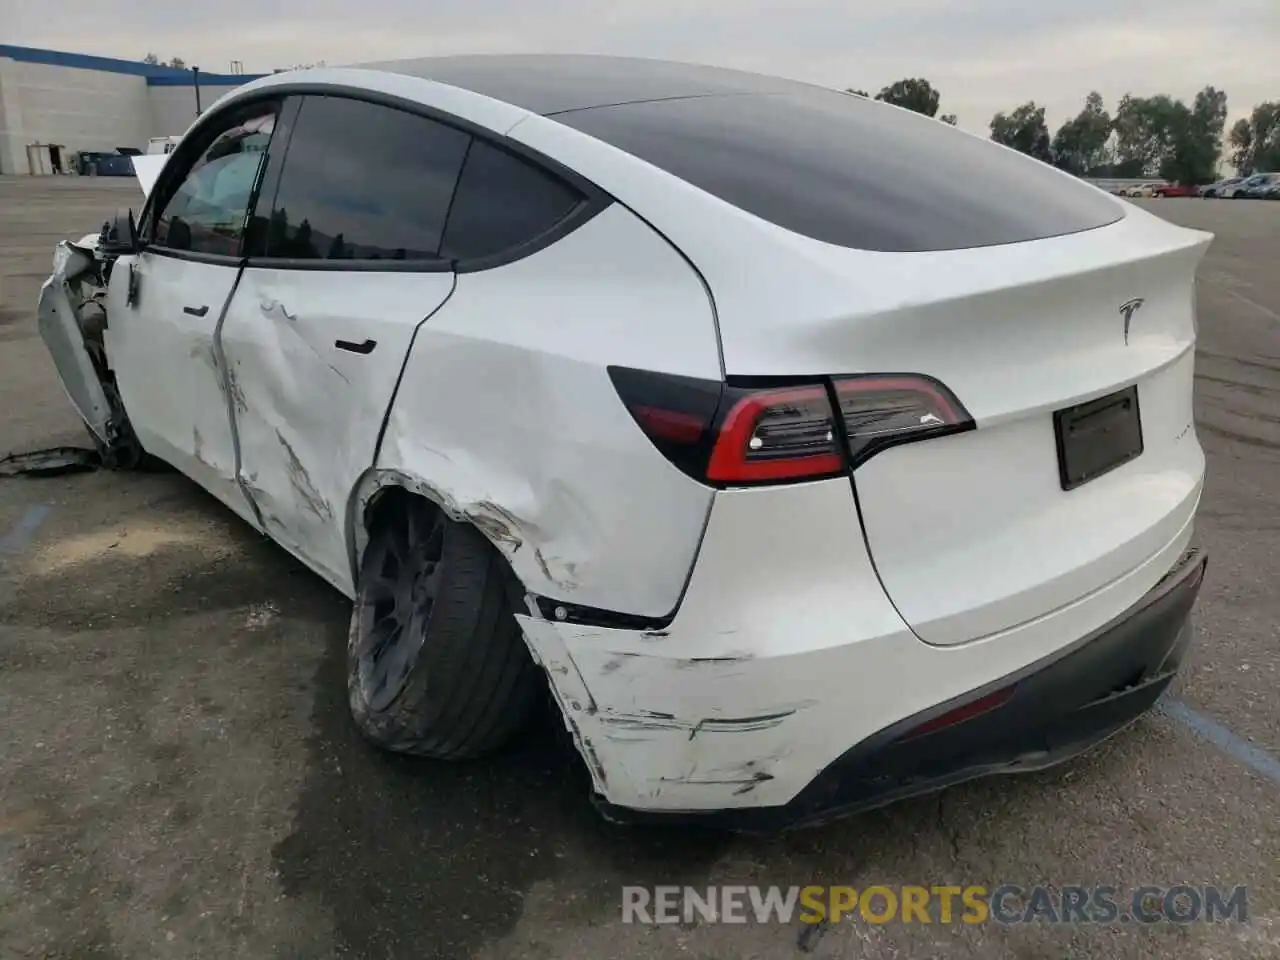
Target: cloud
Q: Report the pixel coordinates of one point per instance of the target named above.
(984, 55)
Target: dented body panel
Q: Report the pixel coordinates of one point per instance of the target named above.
(163, 347)
(506, 415)
(743, 699)
(308, 413)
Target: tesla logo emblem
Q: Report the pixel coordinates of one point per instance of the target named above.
(1127, 310)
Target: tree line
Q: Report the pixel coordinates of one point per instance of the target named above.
(1146, 136)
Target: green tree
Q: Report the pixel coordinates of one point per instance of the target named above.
(1138, 134)
(1024, 130)
(1162, 136)
(1195, 138)
(1080, 145)
(948, 118)
(152, 59)
(1255, 142)
(1241, 140)
(178, 63)
(857, 93)
(915, 94)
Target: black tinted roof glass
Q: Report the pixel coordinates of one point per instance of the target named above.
(549, 83)
(852, 172)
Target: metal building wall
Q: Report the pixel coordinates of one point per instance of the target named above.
(79, 109)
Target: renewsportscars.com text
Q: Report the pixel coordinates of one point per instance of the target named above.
(941, 904)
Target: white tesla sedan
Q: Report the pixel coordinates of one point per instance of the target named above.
(813, 452)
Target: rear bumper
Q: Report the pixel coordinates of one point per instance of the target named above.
(1058, 707)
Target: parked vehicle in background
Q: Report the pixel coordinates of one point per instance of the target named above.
(1260, 188)
(1251, 187)
(1271, 191)
(103, 163)
(1142, 190)
(162, 144)
(1219, 188)
(1176, 190)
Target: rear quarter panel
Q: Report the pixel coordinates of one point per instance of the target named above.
(506, 415)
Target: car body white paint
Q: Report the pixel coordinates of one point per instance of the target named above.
(167, 366)
(506, 408)
(308, 416)
(790, 643)
(744, 698)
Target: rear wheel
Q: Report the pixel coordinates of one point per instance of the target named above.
(436, 662)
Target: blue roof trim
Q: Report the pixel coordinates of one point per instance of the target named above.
(206, 79)
(155, 75)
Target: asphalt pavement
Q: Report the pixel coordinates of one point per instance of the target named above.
(179, 777)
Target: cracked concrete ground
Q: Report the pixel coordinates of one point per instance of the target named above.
(179, 777)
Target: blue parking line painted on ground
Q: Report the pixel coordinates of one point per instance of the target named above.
(20, 534)
(1222, 738)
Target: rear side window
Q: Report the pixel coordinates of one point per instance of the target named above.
(850, 171)
(503, 201)
(364, 182)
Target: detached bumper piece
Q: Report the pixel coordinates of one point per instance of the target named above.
(1039, 717)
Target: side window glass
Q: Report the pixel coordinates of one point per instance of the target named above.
(503, 201)
(364, 182)
(206, 213)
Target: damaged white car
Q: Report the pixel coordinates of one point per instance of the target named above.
(808, 471)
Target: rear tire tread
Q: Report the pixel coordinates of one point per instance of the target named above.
(479, 684)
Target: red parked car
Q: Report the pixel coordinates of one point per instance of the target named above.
(1175, 190)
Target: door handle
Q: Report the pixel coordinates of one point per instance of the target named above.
(269, 306)
(361, 348)
(196, 311)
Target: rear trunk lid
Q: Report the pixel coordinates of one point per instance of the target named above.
(1038, 506)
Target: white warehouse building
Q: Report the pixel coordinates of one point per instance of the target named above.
(79, 103)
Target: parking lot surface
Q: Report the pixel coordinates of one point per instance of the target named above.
(180, 777)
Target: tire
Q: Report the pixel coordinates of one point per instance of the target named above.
(436, 662)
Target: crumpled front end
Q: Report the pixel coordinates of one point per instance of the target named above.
(71, 318)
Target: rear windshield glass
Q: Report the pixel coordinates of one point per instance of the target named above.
(850, 171)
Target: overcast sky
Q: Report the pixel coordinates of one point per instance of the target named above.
(983, 55)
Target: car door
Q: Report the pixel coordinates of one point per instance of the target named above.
(343, 267)
(164, 304)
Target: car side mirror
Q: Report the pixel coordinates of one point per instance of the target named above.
(119, 235)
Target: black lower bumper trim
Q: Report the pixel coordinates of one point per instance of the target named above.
(1045, 714)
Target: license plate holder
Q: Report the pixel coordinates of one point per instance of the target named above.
(1097, 436)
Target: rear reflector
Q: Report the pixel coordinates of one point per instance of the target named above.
(967, 711)
(727, 434)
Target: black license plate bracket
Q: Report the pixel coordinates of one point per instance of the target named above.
(1097, 436)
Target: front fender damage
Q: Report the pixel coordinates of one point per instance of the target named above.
(71, 319)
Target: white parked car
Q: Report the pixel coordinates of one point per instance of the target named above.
(1141, 190)
(162, 145)
(802, 489)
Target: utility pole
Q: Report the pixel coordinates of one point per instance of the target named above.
(195, 81)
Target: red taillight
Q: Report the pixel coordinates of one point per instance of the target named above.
(883, 411)
(782, 434)
(733, 435)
